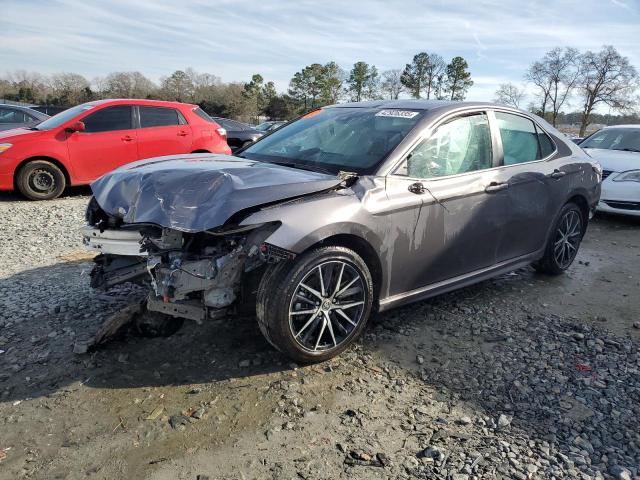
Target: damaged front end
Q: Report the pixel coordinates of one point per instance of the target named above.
(191, 275)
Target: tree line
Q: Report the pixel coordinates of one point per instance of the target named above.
(428, 75)
(593, 79)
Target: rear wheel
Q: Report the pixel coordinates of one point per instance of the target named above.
(564, 242)
(40, 180)
(314, 308)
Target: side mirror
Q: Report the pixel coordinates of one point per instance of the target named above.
(76, 127)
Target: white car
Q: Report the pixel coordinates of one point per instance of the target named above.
(617, 149)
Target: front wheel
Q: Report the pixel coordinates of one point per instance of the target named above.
(40, 180)
(314, 308)
(564, 241)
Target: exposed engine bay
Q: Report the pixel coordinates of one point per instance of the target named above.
(190, 275)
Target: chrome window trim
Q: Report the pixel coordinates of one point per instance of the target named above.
(496, 142)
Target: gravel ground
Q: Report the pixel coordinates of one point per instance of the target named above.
(523, 376)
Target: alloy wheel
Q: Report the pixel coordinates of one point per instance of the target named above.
(567, 238)
(327, 306)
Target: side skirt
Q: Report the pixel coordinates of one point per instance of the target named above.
(455, 283)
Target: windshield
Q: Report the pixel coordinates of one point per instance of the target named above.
(627, 139)
(63, 117)
(337, 139)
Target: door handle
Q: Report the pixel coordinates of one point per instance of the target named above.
(182, 133)
(557, 174)
(127, 138)
(417, 188)
(496, 187)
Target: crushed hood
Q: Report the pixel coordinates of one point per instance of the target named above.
(197, 192)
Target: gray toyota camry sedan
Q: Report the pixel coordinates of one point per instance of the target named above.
(351, 209)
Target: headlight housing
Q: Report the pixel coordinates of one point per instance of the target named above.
(5, 146)
(597, 168)
(628, 176)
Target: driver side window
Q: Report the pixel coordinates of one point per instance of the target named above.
(459, 146)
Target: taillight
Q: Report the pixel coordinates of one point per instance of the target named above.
(222, 132)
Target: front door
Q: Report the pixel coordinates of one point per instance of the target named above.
(463, 212)
(108, 141)
(163, 131)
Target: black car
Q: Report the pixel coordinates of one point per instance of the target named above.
(269, 126)
(14, 116)
(238, 134)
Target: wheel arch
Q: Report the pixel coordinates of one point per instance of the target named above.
(583, 204)
(56, 162)
(364, 249)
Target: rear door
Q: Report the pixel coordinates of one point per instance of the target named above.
(533, 179)
(163, 131)
(108, 141)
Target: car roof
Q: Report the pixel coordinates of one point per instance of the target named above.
(140, 101)
(232, 120)
(416, 104)
(18, 107)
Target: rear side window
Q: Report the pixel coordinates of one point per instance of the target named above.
(203, 115)
(158, 117)
(8, 115)
(109, 119)
(519, 139)
(547, 146)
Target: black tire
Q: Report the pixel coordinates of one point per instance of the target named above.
(40, 180)
(281, 283)
(156, 324)
(564, 241)
(246, 144)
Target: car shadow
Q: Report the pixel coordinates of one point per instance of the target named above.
(38, 333)
(69, 192)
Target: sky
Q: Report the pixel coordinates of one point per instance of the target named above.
(235, 38)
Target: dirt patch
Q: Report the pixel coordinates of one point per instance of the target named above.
(523, 376)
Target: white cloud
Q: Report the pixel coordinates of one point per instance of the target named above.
(234, 39)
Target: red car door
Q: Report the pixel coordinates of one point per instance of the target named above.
(108, 141)
(163, 131)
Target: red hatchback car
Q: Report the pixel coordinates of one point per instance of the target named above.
(84, 142)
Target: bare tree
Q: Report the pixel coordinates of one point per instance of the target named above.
(606, 78)
(509, 94)
(555, 76)
(69, 88)
(563, 70)
(204, 84)
(538, 75)
(126, 85)
(29, 86)
(391, 83)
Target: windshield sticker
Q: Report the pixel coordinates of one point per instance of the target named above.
(396, 113)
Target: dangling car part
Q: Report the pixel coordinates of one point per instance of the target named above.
(350, 209)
